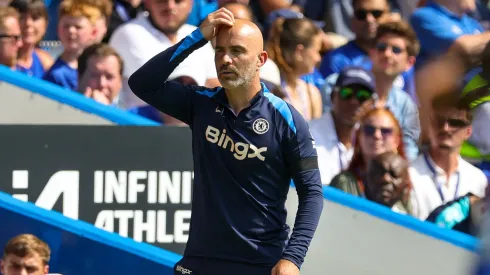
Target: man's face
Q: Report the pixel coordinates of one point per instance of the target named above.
(366, 18)
(29, 265)
(236, 58)
(169, 15)
(387, 179)
(449, 128)
(347, 101)
(10, 42)
(390, 56)
(102, 74)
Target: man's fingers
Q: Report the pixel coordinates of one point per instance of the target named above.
(223, 21)
(230, 14)
(223, 15)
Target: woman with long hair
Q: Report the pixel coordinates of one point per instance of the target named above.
(379, 132)
(294, 45)
(31, 59)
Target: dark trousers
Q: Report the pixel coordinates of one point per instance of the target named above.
(201, 266)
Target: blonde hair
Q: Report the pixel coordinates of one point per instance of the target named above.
(26, 245)
(80, 9)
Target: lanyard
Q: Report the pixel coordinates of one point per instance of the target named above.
(434, 177)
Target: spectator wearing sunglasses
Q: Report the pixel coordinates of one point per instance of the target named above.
(334, 131)
(379, 132)
(10, 37)
(440, 175)
(367, 16)
(395, 50)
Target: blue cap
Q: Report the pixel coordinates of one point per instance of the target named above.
(288, 14)
(356, 75)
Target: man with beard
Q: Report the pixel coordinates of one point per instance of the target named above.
(248, 144)
(441, 175)
(149, 33)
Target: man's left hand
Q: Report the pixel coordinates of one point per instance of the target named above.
(285, 267)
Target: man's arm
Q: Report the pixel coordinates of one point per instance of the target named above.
(302, 161)
(150, 81)
(471, 47)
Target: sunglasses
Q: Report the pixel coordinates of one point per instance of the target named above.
(362, 14)
(346, 93)
(382, 47)
(370, 130)
(452, 122)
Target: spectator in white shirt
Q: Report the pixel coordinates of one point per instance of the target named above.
(334, 131)
(149, 33)
(441, 175)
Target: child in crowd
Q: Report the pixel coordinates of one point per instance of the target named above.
(76, 30)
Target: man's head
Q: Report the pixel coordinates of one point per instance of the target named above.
(353, 87)
(450, 122)
(76, 26)
(10, 36)
(239, 54)
(367, 16)
(396, 47)
(387, 178)
(169, 15)
(239, 10)
(25, 254)
(33, 20)
(100, 69)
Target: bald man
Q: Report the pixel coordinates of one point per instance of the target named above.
(248, 145)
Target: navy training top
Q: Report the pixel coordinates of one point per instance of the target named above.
(243, 165)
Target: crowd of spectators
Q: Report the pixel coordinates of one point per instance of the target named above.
(359, 72)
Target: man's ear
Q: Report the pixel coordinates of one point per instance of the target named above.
(263, 56)
(411, 62)
(468, 132)
(46, 269)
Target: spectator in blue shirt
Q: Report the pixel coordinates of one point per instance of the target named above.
(367, 16)
(443, 25)
(77, 31)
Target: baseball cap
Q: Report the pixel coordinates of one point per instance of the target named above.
(287, 14)
(356, 75)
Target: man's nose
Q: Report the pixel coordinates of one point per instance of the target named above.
(370, 18)
(170, 4)
(227, 59)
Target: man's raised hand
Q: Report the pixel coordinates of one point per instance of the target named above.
(220, 18)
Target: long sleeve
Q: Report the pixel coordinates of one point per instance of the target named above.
(302, 160)
(150, 81)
